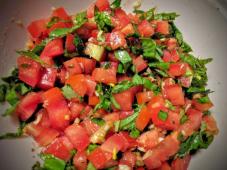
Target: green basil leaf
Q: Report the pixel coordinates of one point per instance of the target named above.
(203, 100)
(90, 166)
(53, 163)
(11, 96)
(166, 16)
(98, 121)
(115, 4)
(53, 21)
(161, 65)
(162, 115)
(124, 58)
(91, 148)
(31, 55)
(3, 90)
(122, 86)
(103, 21)
(114, 102)
(135, 133)
(69, 93)
(60, 32)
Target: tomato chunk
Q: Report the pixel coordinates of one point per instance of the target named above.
(170, 56)
(90, 126)
(140, 64)
(181, 164)
(116, 40)
(37, 28)
(144, 97)
(29, 70)
(78, 136)
(48, 78)
(125, 100)
(69, 43)
(143, 118)
(177, 69)
(175, 94)
(102, 5)
(202, 106)
(211, 125)
(91, 11)
(60, 13)
(103, 75)
(87, 65)
(80, 160)
(163, 27)
(129, 159)
(73, 67)
(145, 29)
(122, 17)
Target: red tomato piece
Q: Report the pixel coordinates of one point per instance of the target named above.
(144, 97)
(91, 85)
(157, 102)
(80, 160)
(78, 136)
(145, 29)
(122, 17)
(59, 25)
(43, 118)
(129, 142)
(171, 56)
(53, 49)
(91, 11)
(116, 40)
(175, 94)
(37, 28)
(28, 105)
(60, 148)
(78, 83)
(76, 109)
(72, 66)
(60, 13)
(99, 157)
(111, 117)
(177, 69)
(134, 18)
(103, 75)
(129, 158)
(93, 100)
(164, 166)
(148, 140)
(140, 64)
(48, 78)
(202, 106)
(57, 108)
(128, 29)
(162, 27)
(143, 118)
(181, 164)
(124, 114)
(125, 100)
(90, 126)
(211, 125)
(171, 43)
(69, 45)
(87, 65)
(29, 70)
(102, 5)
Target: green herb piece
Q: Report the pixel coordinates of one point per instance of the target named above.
(13, 78)
(101, 36)
(139, 80)
(124, 58)
(149, 48)
(135, 133)
(13, 135)
(80, 19)
(114, 102)
(198, 90)
(11, 96)
(98, 121)
(161, 65)
(37, 166)
(90, 166)
(103, 21)
(166, 16)
(69, 93)
(104, 103)
(120, 68)
(205, 113)
(3, 89)
(91, 148)
(115, 4)
(53, 21)
(169, 105)
(31, 55)
(60, 32)
(9, 111)
(203, 99)
(122, 86)
(78, 42)
(162, 115)
(52, 163)
(183, 119)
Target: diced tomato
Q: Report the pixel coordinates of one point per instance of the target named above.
(124, 114)
(42, 135)
(91, 85)
(103, 75)
(129, 142)
(69, 43)
(157, 102)
(29, 70)
(80, 160)
(125, 100)
(122, 17)
(164, 166)
(59, 25)
(53, 49)
(86, 111)
(99, 157)
(37, 28)
(185, 81)
(149, 139)
(48, 78)
(90, 126)
(140, 64)
(87, 65)
(177, 69)
(60, 13)
(78, 136)
(102, 5)
(76, 109)
(171, 56)
(72, 66)
(145, 29)
(84, 32)
(112, 117)
(211, 125)
(175, 94)
(60, 148)
(57, 108)
(134, 18)
(78, 83)
(171, 43)
(116, 40)
(143, 118)
(128, 29)
(43, 118)
(202, 106)
(28, 105)
(93, 100)
(91, 11)
(129, 158)
(181, 164)
(144, 97)
(162, 27)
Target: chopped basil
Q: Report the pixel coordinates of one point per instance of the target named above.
(162, 115)
(149, 48)
(91, 148)
(80, 18)
(3, 89)
(138, 80)
(122, 86)
(60, 32)
(53, 21)
(52, 163)
(103, 21)
(78, 42)
(203, 99)
(90, 166)
(169, 105)
(183, 119)
(31, 55)
(114, 102)
(98, 121)
(101, 36)
(11, 96)
(124, 58)
(69, 93)
(135, 133)
(115, 4)
(161, 65)
(166, 16)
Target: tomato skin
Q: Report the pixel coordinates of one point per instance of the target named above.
(102, 5)
(181, 164)
(57, 108)
(60, 148)
(90, 126)
(93, 100)
(60, 13)
(103, 75)
(144, 97)
(129, 158)
(116, 40)
(140, 64)
(134, 18)
(171, 44)
(76, 109)
(58, 25)
(149, 139)
(43, 118)
(48, 78)
(122, 17)
(175, 94)
(37, 28)
(72, 66)
(164, 166)
(177, 69)
(53, 49)
(91, 11)
(80, 160)
(170, 56)
(87, 65)
(128, 29)
(28, 105)
(211, 125)
(143, 118)
(157, 102)
(145, 29)
(202, 106)
(111, 117)
(162, 27)
(78, 136)
(125, 100)
(78, 83)
(69, 45)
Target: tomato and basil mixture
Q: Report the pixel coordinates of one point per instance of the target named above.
(106, 89)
